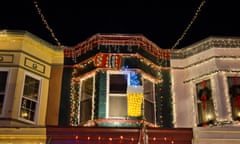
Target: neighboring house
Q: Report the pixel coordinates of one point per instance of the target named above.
(118, 88)
(29, 76)
(206, 88)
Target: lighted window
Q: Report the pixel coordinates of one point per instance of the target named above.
(86, 99)
(206, 112)
(30, 98)
(117, 95)
(149, 101)
(3, 84)
(234, 94)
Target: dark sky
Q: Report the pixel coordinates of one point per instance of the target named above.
(161, 21)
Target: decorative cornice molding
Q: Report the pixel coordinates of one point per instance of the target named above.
(26, 34)
(116, 41)
(205, 44)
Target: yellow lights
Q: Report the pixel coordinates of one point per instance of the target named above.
(24, 114)
(238, 114)
(209, 116)
(134, 104)
(3, 33)
(135, 100)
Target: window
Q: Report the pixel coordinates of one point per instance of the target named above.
(3, 84)
(86, 96)
(30, 98)
(126, 92)
(118, 83)
(206, 113)
(149, 101)
(117, 95)
(234, 96)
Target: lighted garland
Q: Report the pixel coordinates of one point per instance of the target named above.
(164, 101)
(74, 100)
(205, 60)
(212, 72)
(122, 139)
(100, 94)
(164, 61)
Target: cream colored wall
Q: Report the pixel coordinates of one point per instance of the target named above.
(54, 96)
(216, 135)
(189, 71)
(7, 112)
(26, 51)
(23, 136)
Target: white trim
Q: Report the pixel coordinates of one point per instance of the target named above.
(108, 94)
(36, 112)
(152, 101)
(227, 96)
(92, 97)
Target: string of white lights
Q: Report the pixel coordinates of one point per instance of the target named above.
(174, 46)
(46, 23)
(190, 24)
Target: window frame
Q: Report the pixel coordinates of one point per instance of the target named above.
(115, 94)
(235, 112)
(6, 90)
(91, 98)
(152, 101)
(128, 72)
(211, 115)
(37, 101)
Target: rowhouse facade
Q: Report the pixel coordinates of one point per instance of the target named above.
(118, 88)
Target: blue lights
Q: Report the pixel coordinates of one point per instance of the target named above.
(135, 79)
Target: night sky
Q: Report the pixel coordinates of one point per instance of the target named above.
(161, 21)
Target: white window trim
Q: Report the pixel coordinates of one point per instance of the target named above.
(108, 90)
(93, 96)
(154, 98)
(36, 115)
(227, 96)
(128, 82)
